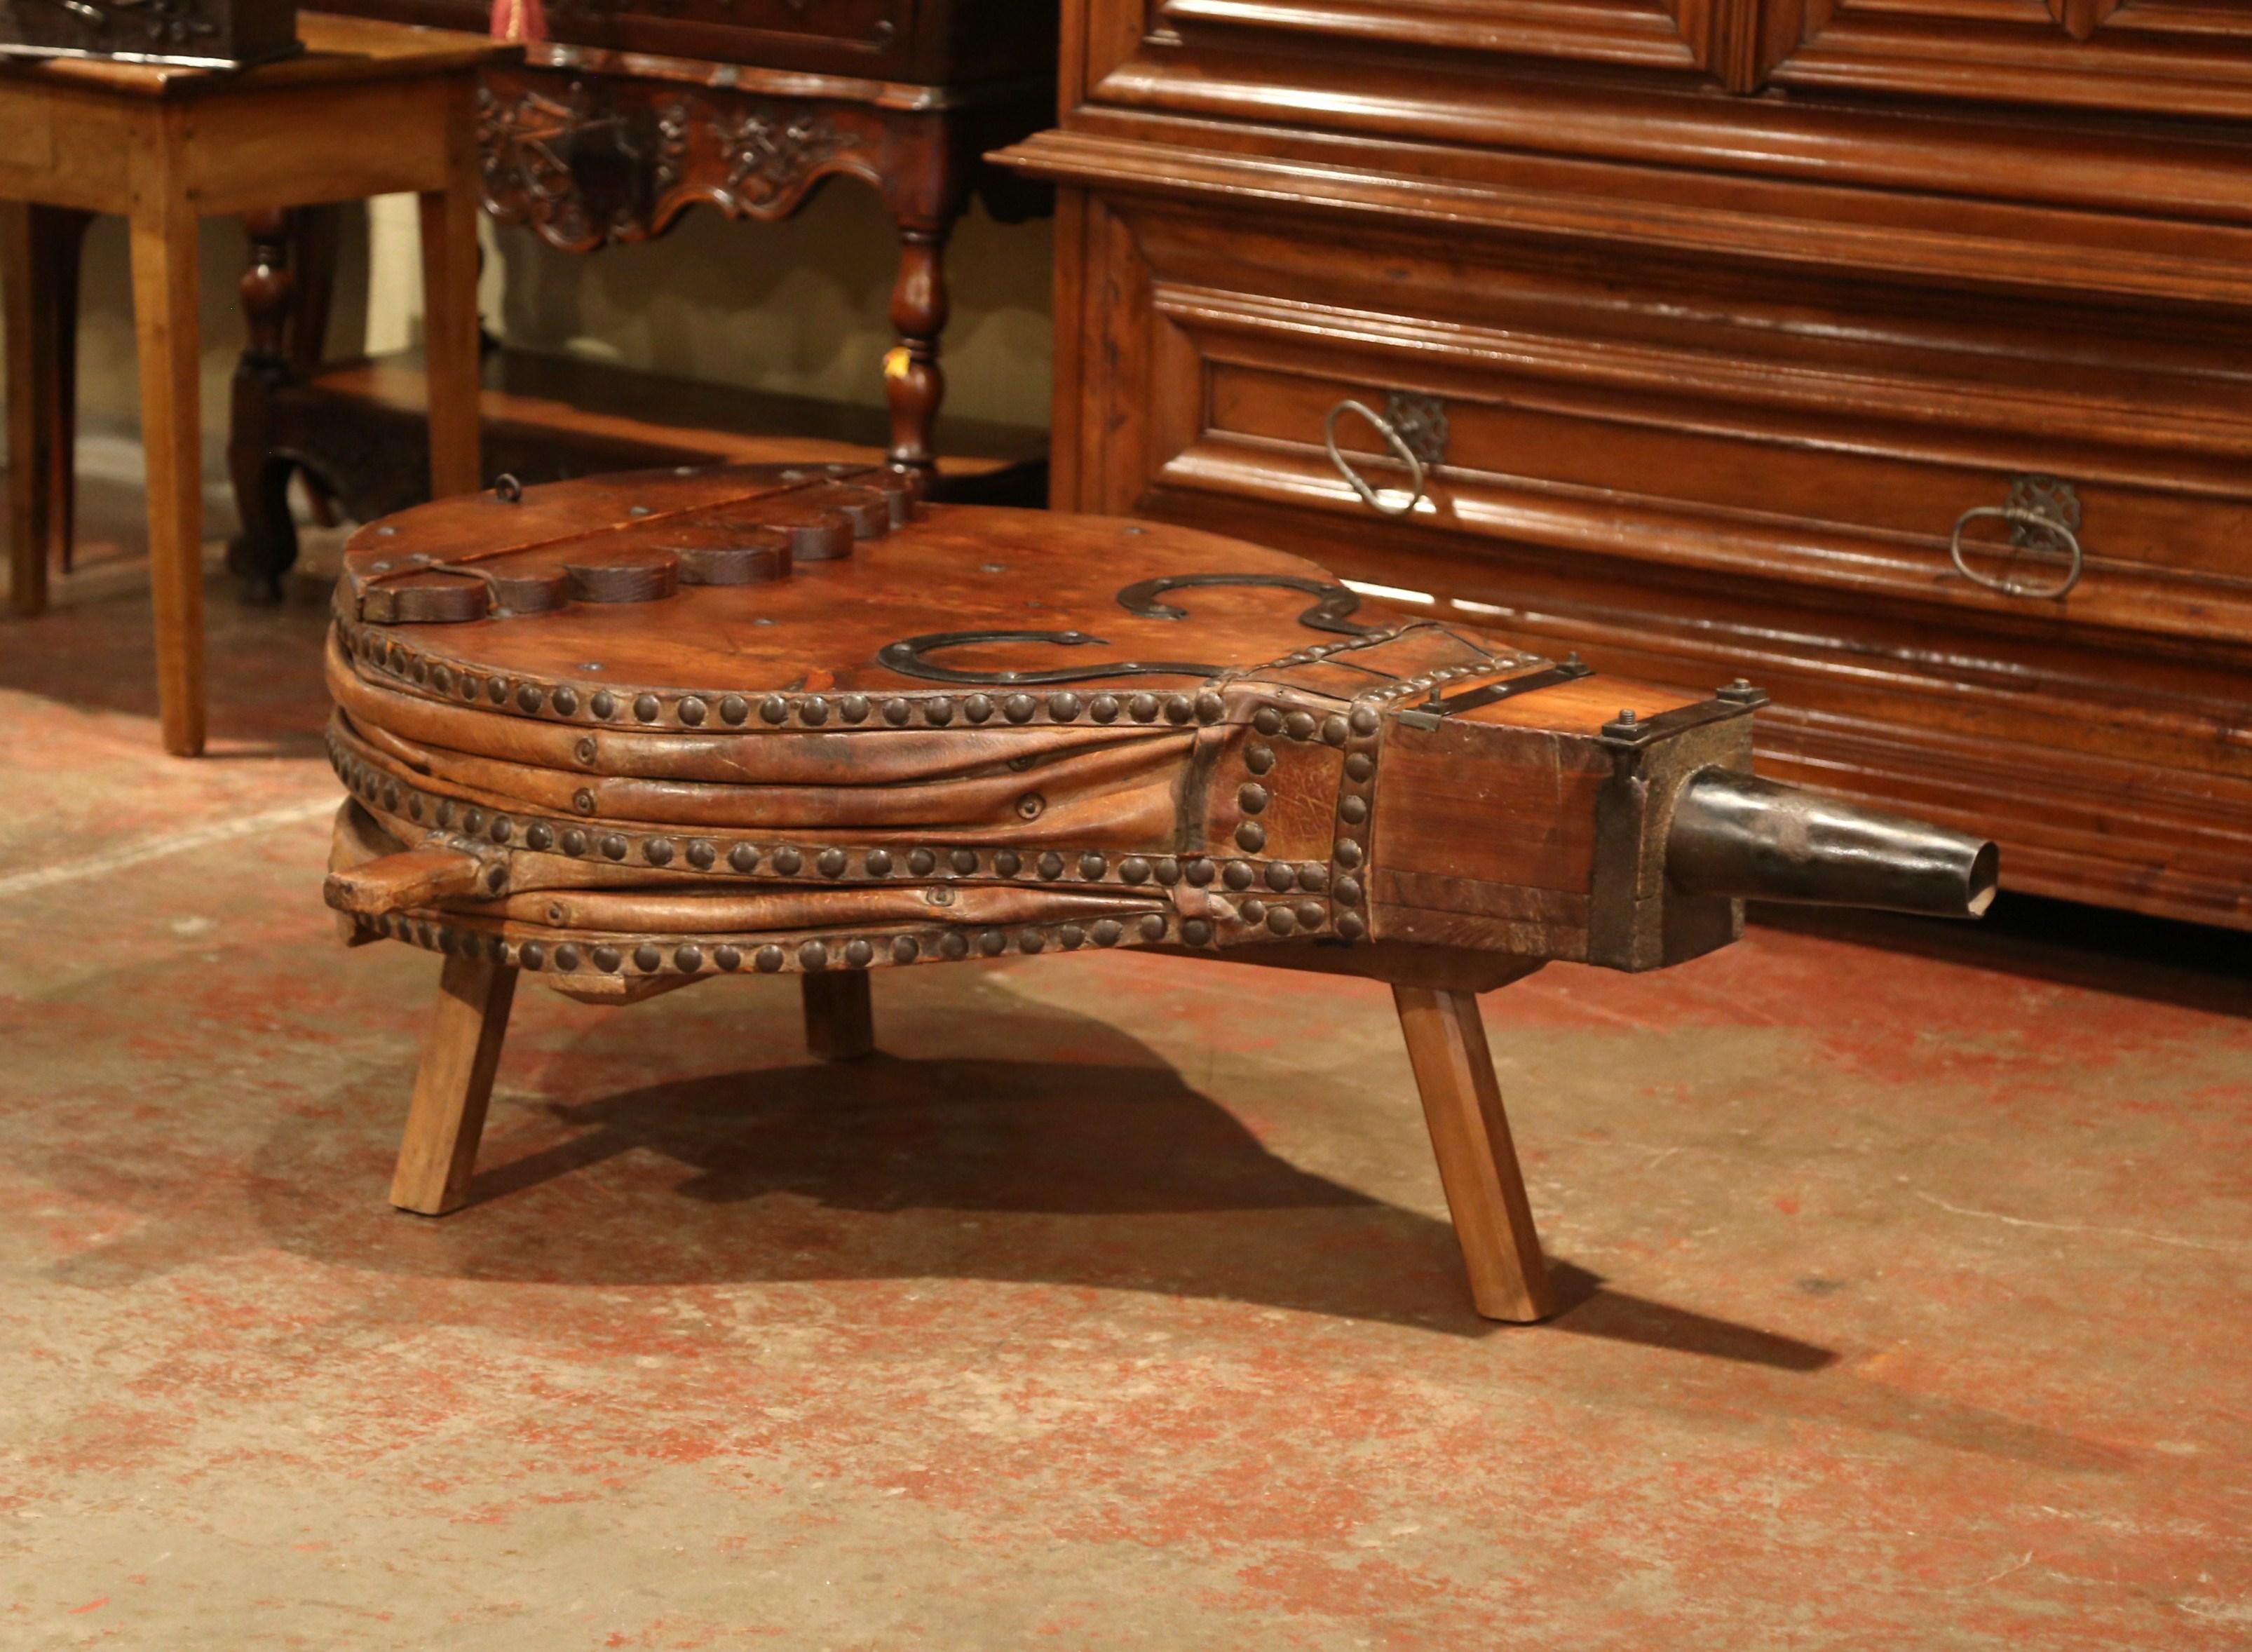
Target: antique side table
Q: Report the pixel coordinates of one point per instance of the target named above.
(366, 109)
(632, 734)
(609, 131)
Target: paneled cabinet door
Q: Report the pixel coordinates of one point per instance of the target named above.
(1691, 36)
(2165, 56)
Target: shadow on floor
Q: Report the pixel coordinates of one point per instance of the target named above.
(265, 694)
(2192, 965)
(1092, 1175)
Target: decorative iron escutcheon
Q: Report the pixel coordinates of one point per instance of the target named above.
(2044, 517)
(1412, 426)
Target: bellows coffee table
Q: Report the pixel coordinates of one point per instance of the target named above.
(632, 733)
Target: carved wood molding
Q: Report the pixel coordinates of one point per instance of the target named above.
(588, 162)
(1787, 223)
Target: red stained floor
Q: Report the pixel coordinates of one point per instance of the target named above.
(1111, 1306)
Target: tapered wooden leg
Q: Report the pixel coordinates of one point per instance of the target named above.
(61, 231)
(165, 322)
(450, 316)
(31, 423)
(1477, 1162)
(439, 1154)
(840, 1017)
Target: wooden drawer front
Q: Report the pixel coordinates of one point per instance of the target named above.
(1667, 34)
(1836, 456)
(866, 37)
(919, 42)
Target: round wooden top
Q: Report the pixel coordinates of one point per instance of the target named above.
(732, 584)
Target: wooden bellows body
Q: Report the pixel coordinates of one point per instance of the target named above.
(682, 723)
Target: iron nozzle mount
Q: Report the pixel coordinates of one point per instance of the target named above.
(1738, 835)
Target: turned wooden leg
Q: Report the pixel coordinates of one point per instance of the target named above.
(268, 543)
(840, 1017)
(1477, 1162)
(28, 422)
(165, 324)
(439, 1154)
(449, 315)
(914, 382)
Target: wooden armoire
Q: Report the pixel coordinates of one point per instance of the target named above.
(1896, 354)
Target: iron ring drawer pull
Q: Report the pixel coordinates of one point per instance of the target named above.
(1392, 439)
(2032, 526)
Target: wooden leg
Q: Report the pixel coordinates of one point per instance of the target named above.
(165, 319)
(63, 234)
(315, 234)
(449, 317)
(1477, 1162)
(840, 1018)
(30, 343)
(267, 547)
(439, 1154)
(914, 382)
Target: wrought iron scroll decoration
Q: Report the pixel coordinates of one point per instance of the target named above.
(909, 656)
(1332, 613)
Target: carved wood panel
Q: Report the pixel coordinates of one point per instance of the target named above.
(589, 161)
(2168, 57)
(2163, 55)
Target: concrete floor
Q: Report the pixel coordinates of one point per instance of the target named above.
(1111, 1306)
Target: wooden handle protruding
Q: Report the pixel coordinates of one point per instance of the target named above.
(414, 877)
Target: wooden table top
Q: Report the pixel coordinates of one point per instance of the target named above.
(338, 51)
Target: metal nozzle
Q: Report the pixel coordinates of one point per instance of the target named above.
(1736, 834)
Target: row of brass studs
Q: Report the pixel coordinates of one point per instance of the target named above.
(852, 710)
(1439, 676)
(383, 791)
(1356, 808)
(776, 710)
(675, 955)
(1320, 652)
